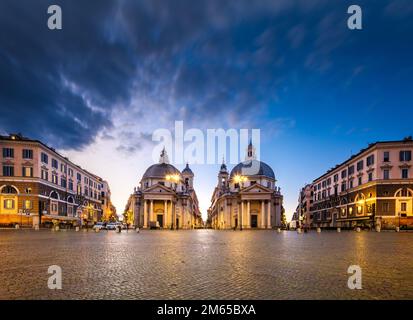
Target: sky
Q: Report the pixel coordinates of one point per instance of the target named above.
(119, 70)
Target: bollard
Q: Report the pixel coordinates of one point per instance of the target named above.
(338, 229)
(137, 230)
(36, 227)
(378, 229)
(318, 230)
(97, 230)
(57, 228)
(298, 230)
(358, 229)
(397, 229)
(77, 229)
(17, 226)
(118, 229)
(279, 230)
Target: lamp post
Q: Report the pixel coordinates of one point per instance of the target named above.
(174, 179)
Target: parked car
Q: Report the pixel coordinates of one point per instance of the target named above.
(112, 225)
(100, 226)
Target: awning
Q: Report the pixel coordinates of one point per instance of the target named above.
(53, 217)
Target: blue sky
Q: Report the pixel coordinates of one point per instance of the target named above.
(118, 70)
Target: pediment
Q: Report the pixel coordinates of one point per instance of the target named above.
(256, 188)
(158, 188)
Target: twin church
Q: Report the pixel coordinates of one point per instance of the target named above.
(245, 198)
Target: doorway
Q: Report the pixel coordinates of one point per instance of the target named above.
(254, 221)
(159, 218)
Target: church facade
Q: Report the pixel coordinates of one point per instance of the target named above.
(165, 198)
(247, 197)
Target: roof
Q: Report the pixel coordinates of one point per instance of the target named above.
(160, 170)
(248, 168)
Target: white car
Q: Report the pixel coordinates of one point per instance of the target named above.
(112, 225)
(100, 226)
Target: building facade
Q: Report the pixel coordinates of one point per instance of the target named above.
(39, 186)
(303, 217)
(372, 188)
(164, 199)
(246, 198)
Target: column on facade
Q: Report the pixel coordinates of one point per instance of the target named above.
(165, 214)
(248, 214)
(242, 214)
(151, 211)
(262, 215)
(145, 214)
(269, 214)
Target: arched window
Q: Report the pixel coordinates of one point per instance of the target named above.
(9, 190)
(70, 199)
(54, 195)
(404, 193)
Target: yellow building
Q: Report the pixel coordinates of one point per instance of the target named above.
(165, 198)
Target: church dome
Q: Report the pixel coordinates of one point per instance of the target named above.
(160, 170)
(187, 170)
(243, 168)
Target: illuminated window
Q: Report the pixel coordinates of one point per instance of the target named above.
(54, 179)
(27, 171)
(9, 204)
(359, 209)
(403, 206)
(28, 204)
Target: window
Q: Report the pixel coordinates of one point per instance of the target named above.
(27, 172)
(335, 177)
(360, 181)
(343, 187)
(44, 158)
(360, 165)
(386, 174)
(343, 174)
(386, 156)
(27, 154)
(79, 177)
(63, 182)
(70, 172)
(70, 185)
(79, 189)
(370, 176)
(329, 181)
(403, 206)
(405, 155)
(45, 175)
(385, 207)
(405, 173)
(54, 178)
(370, 160)
(28, 204)
(8, 153)
(335, 190)
(351, 184)
(9, 204)
(351, 170)
(8, 171)
(55, 164)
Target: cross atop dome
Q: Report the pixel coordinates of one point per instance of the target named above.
(164, 156)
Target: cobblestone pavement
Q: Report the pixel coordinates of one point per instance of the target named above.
(205, 264)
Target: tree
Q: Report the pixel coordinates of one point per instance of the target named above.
(283, 218)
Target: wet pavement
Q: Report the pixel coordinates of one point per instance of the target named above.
(205, 264)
